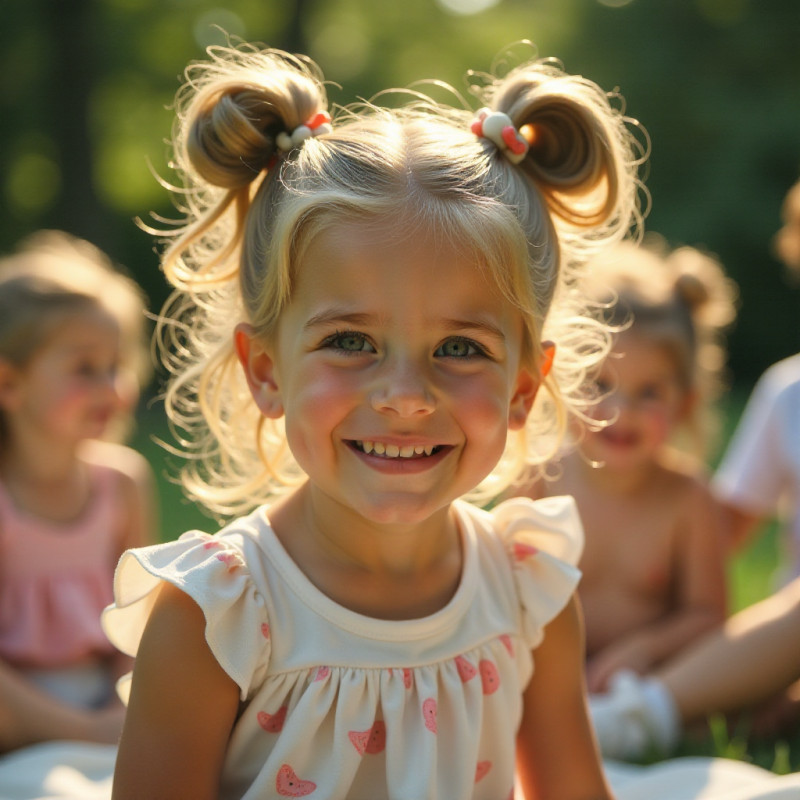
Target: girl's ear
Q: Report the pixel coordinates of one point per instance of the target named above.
(527, 386)
(259, 370)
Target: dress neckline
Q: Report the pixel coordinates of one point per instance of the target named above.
(361, 624)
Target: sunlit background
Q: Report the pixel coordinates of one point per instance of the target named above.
(87, 84)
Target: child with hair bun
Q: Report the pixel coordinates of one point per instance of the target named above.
(72, 355)
(653, 565)
(376, 316)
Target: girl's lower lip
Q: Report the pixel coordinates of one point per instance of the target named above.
(400, 466)
(619, 441)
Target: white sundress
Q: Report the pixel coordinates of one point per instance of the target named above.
(341, 705)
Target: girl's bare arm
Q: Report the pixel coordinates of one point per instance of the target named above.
(181, 711)
(557, 754)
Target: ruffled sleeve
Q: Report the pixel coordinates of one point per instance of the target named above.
(544, 541)
(212, 571)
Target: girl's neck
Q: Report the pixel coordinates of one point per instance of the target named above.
(389, 572)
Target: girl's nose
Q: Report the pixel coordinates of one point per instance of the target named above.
(403, 389)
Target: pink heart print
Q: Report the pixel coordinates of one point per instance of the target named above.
(407, 677)
(522, 551)
(481, 769)
(490, 677)
(429, 713)
(288, 784)
(507, 643)
(265, 630)
(230, 560)
(272, 723)
(370, 741)
(466, 671)
(322, 673)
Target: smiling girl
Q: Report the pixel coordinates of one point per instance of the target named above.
(361, 338)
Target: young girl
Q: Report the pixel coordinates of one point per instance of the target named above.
(384, 281)
(653, 566)
(69, 503)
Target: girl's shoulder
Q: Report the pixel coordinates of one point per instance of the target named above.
(681, 472)
(532, 547)
(687, 488)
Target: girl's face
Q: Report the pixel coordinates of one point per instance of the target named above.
(68, 389)
(644, 397)
(398, 369)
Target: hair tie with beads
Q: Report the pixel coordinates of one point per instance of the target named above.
(318, 124)
(499, 129)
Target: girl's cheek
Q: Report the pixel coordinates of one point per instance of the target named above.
(661, 424)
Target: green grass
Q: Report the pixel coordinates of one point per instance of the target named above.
(176, 513)
(750, 579)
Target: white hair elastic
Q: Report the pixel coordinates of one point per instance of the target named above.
(498, 128)
(318, 124)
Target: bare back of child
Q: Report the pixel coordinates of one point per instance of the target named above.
(653, 565)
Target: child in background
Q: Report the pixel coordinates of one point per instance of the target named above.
(653, 565)
(71, 356)
(753, 661)
(388, 283)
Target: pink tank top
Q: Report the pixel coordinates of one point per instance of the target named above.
(56, 578)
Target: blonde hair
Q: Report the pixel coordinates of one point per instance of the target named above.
(680, 300)
(250, 212)
(52, 275)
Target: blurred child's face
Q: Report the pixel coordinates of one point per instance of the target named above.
(68, 389)
(645, 397)
(398, 369)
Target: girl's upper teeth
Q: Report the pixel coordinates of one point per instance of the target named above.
(393, 450)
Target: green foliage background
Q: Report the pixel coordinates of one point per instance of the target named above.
(87, 84)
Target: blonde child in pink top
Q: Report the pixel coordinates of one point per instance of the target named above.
(71, 330)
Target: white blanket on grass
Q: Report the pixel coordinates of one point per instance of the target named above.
(78, 771)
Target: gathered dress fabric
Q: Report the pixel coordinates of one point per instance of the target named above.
(336, 704)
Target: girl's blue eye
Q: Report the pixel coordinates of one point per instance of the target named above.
(458, 347)
(350, 342)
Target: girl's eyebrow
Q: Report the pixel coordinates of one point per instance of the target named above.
(478, 325)
(335, 316)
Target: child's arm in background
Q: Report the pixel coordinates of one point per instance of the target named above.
(699, 596)
(29, 715)
(556, 751)
(741, 526)
(140, 515)
(181, 711)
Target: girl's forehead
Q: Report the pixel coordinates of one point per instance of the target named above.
(84, 328)
(354, 259)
